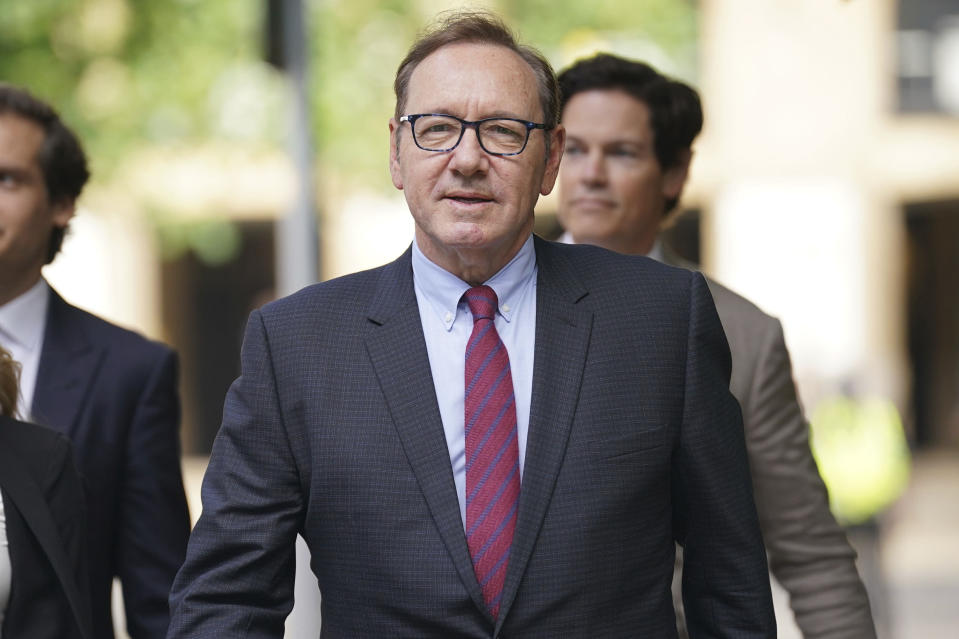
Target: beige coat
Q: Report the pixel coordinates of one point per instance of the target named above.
(808, 552)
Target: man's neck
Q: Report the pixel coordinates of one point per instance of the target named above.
(473, 266)
(644, 247)
(13, 287)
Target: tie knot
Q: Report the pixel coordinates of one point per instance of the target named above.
(482, 302)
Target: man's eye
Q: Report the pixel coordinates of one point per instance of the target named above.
(623, 153)
(573, 150)
(506, 132)
(438, 128)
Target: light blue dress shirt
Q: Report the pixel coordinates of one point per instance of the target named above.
(22, 324)
(447, 324)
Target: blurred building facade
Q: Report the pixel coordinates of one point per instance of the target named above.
(826, 184)
(825, 187)
(829, 177)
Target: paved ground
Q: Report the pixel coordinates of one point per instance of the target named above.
(920, 552)
(912, 572)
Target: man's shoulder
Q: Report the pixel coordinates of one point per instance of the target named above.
(633, 285)
(67, 318)
(36, 443)
(343, 296)
(731, 306)
(735, 309)
(602, 266)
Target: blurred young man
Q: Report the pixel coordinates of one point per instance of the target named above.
(111, 391)
(629, 135)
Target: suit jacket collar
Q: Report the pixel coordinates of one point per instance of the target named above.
(27, 497)
(563, 326)
(397, 349)
(68, 365)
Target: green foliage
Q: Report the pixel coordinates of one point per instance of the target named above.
(133, 74)
(357, 45)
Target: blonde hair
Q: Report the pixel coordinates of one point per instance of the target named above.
(9, 383)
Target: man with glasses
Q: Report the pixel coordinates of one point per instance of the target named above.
(486, 437)
(497, 136)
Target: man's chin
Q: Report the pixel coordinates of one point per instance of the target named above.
(461, 235)
(590, 235)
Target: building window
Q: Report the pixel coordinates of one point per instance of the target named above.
(927, 52)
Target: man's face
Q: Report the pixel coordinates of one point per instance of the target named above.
(26, 214)
(612, 190)
(472, 208)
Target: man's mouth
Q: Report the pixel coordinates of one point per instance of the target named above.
(593, 203)
(469, 198)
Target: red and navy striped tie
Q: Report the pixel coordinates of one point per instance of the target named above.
(492, 452)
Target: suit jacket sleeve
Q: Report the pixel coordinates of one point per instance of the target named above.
(725, 580)
(237, 580)
(808, 551)
(154, 522)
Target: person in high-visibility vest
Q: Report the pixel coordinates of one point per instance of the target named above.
(862, 453)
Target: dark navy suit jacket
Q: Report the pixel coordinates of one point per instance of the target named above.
(43, 507)
(114, 394)
(333, 431)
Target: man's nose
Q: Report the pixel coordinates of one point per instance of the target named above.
(469, 157)
(594, 168)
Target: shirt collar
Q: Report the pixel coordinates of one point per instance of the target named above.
(444, 291)
(23, 318)
(657, 251)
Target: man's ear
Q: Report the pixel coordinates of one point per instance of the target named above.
(63, 212)
(557, 144)
(395, 154)
(674, 178)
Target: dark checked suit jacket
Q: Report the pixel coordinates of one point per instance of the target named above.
(333, 431)
(808, 551)
(44, 512)
(113, 393)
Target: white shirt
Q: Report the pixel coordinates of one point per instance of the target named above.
(447, 324)
(22, 322)
(5, 569)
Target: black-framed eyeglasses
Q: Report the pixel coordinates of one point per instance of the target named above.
(440, 132)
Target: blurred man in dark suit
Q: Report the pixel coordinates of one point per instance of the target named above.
(110, 390)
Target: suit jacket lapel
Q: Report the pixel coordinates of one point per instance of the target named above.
(29, 501)
(562, 340)
(68, 364)
(397, 349)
